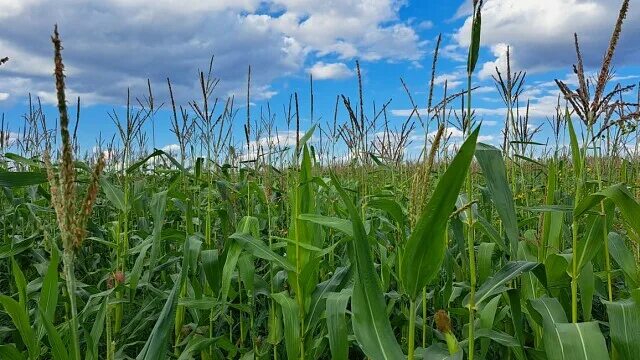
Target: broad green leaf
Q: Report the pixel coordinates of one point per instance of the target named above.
(9, 352)
(438, 351)
(485, 262)
(579, 341)
(290, 317)
(58, 350)
(196, 344)
(49, 293)
(587, 289)
(426, 246)
(303, 201)
(391, 207)
(136, 271)
(550, 313)
(114, 194)
(371, 325)
(337, 324)
(576, 153)
(259, 249)
(307, 135)
(20, 319)
(589, 246)
(624, 324)
(335, 223)
(494, 171)
(623, 199)
(21, 282)
(496, 284)
(319, 296)
(211, 267)
(516, 314)
(625, 259)
(229, 267)
(93, 339)
(20, 179)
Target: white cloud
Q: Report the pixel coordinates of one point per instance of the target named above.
(171, 148)
(453, 79)
(278, 141)
(500, 62)
(4, 96)
(324, 71)
(425, 25)
(118, 44)
(540, 32)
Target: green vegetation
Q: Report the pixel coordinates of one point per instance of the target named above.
(526, 252)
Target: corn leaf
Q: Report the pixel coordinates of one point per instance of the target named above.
(371, 325)
(426, 246)
(624, 324)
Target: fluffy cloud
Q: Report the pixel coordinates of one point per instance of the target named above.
(540, 32)
(115, 44)
(323, 71)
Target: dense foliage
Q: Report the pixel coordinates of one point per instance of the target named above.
(530, 251)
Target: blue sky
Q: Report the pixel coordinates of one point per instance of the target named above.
(117, 44)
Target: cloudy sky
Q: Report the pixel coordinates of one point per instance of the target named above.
(112, 45)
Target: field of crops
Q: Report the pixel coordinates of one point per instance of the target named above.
(273, 250)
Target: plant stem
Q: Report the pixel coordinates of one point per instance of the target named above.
(70, 279)
(412, 328)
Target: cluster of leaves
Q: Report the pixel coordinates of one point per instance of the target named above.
(303, 265)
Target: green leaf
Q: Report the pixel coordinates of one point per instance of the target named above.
(20, 319)
(438, 351)
(156, 152)
(20, 179)
(579, 341)
(307, 135)
(21, 282)
(391, 207)
(550, 313)
(337, 325)
(319, 296)
(229, 267)
(335, 223)
(623, 199)
(211, 267)
(114, 194)
(625, 259)
(259, 249)
(49, 293)
(371, 325)
(196, 344)
(58, 350)
(587, 289)
(291, 321)
(485, 262)
(158, 210)
(576, 153)
(426, 246)
(591, 244)
(494, 171)
(9, 352)
(624, 324)
(155, 348)
(496, 284)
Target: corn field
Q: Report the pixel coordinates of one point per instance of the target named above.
(267, 249)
